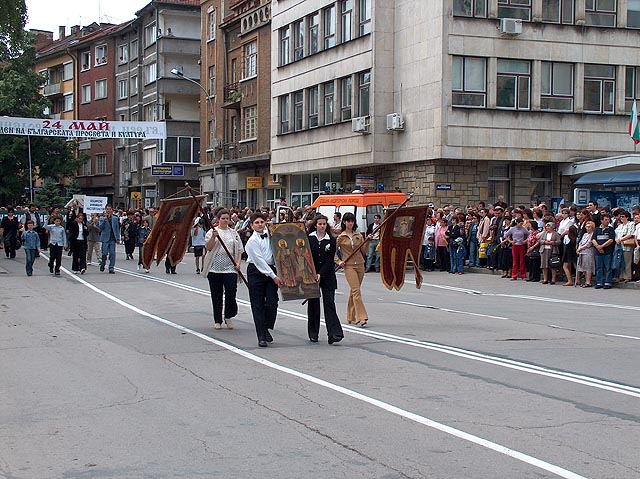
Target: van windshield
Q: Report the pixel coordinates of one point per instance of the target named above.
(373, 210)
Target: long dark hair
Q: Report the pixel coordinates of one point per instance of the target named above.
(348, 217)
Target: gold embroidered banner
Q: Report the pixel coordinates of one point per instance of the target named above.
(171, 231)
(401, 239)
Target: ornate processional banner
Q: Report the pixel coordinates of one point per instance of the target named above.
(294, 263)
(401, 240)
(171, 231)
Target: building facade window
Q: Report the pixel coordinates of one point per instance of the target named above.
(285, 44)
(134, 49)
(101, 89)
(499, 182)
(346, 96)
(558, 11)
(123, 53)
(328, 93)
(150, 73)
(67, 104)
(541, 183)
(181, 149)
(631, 87)
(556, 93)
(470, 8)
(212, 80)
(600, 13)
(513, 84)
(101, 164)
(251, 59)
(364, 83)
(365, 17)
(515, 9)
(150, 112)
(134, 116)
(346, 14)
(149, 155)
(67, 71)
(633, 14)
(123, 89)
(250, 120)
(85, 60)
(86, 93)
(212, 25)
(469, 82)
(101, 55)
(329, 24)
(313, 95)
(134, 85)
(298, 40)
(314, 32)
(133, 160)
(284, 113)
(85, 170)
(599, 88)
(150, 34)
(298, 110)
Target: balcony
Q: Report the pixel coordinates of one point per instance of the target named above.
(52, 89)
(230, 151)
(232, 96)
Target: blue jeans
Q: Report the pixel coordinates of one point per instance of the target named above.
(372, 253)
(473, 253)
(603, 261)
(109, 249)
(31, 257)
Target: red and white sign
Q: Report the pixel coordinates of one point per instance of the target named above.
(92, 129)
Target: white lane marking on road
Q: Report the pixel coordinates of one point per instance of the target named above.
(459, 352)
(467, 313)
(520, 456)
(622, 336)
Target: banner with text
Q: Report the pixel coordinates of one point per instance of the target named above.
(92, 129)
(94, 204)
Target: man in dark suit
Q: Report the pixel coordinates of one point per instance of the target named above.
(78, 233)
(323, 249)
(109, 225)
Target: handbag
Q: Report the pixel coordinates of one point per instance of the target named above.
(629, 242)
(482, 251)
(554, 262)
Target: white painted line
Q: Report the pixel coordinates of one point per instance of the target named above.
(458, 352)
(466, 313)
(622, 336)
(520, 456)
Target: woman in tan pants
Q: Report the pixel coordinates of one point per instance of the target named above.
(346, 243)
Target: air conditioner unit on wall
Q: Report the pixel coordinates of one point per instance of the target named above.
(360, 124)
(395, 122)
(511, 26)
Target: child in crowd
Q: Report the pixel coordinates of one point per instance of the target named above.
(31, 242)
(143, 233)
(429, 255)
(459, 254)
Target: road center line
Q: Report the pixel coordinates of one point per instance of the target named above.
(520, 456)
(451, 350)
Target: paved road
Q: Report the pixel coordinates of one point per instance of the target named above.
(123, 376)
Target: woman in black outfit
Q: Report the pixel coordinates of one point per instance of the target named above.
(323, 249)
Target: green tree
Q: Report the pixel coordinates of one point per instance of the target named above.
(72, 189)
(13, 18)
(50, 157)
(49, 196)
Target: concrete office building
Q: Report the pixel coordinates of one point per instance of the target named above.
(492, 96)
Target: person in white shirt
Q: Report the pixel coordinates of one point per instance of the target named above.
(263, 280)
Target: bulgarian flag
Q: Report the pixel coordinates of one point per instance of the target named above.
(634, 128)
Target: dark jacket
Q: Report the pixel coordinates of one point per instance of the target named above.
(73, 233)
(323, 253)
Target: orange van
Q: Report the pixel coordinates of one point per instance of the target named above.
(363, 205)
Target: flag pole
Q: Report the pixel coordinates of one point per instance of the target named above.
(210, 226)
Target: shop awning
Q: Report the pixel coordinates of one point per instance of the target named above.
(613, 178)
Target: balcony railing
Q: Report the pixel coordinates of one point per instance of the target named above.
(232, 95)
(52, 89)
(230, 151)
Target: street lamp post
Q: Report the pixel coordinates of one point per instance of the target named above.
(177, 71)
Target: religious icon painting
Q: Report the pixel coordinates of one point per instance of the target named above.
(294, 263)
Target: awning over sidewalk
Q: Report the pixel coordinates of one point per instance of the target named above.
(610, 178)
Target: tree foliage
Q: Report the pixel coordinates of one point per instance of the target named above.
(13, 18)
(49, 196)
(50, 157)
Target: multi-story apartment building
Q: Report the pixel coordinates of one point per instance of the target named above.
(164, 36)
(236, 63)
(95, 56)
(492, 96)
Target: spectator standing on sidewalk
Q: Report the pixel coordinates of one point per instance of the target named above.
(517, 236)
(603, 240)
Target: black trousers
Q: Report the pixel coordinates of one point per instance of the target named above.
(55, 255)
(332, 322)
(263, 295)
(129, 247)
(79, 260)
(226, 283)
(533, 267)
